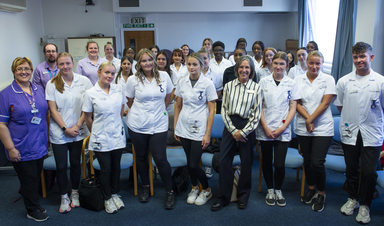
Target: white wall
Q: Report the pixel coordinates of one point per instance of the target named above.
(68, 18)
(365, 18)
(172, 30)
(20, 36)
(207, 6)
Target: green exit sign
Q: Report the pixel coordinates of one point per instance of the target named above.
(150, 25)
(138, 20)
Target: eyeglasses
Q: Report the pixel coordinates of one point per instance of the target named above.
(49, 51)
(20, 69)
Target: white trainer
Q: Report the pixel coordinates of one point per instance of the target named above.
(203, 197)
(75, 199)
(270, 197)
(64, 206)
(110, 206)
(348, 208)
(118, 202)
(192, 196)
(363, 215)
(280, 200)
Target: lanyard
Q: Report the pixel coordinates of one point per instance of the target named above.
(50, 75)
(32, 102)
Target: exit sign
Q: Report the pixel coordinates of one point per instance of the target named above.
(138, 20)
(151, 25)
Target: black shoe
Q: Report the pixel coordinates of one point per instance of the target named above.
(307, 198)
(170, 201)
(217, 206)
(41, 209)
(144, 194)
(37, 215)
(242, 204)
(318, 206)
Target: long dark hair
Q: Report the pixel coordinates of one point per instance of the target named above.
(119, 74)
(167, 67)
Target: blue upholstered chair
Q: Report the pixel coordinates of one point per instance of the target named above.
(380, 178)
(293, 160)
(335, 162)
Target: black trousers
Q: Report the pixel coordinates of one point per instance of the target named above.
(314, 150)
(109, 171)
(60, 151)
(157, 143)
(193, 151)
(227, 150)
(274, 150)
(29, 173)
(368, 158)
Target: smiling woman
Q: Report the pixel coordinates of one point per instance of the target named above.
(23, 131)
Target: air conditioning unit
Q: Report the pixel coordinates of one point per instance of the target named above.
(14, 6)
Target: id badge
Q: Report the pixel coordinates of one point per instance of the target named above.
(36, 120)
(193, 129)
(347, 133)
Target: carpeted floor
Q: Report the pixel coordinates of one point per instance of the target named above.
(153, 213)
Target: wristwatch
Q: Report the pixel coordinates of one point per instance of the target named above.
(64, 128)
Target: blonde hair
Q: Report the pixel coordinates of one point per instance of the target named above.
(59, 83)
(16, 62)
(316, 53)
(198, 57)
(102, 65)
(108, 44)
(210, 51)
(139, 70)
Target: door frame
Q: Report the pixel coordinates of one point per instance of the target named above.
(136, 29)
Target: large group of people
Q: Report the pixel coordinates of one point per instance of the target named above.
(259, 97)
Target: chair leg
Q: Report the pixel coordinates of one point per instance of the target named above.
(302, 182)
(150, 173)
(134, 171)
(260, 169)
(43, 186)
(91, 162)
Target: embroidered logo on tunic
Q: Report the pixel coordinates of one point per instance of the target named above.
(12, 110)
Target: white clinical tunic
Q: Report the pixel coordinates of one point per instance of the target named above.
(276, 105)
(215, 78)
(220, 68)
(257, 64)
(178, 74)
(115, 62)
(362, 109)
(296, 71)
(108, 132)
(134, 66)
(123, 83)
(148, 114)
(263, 72)
(69, 105)
(311, 97)
(193, 117)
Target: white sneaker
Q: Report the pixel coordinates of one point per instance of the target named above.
(208, 172)
(348, 208)
(110, 206)
(280, 200)
(363, 215)
(192, 196)
(270, 198)
(75, 199)
(203, 198)
(118, 202)
(64, 206)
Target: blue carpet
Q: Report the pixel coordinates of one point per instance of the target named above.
(153, 213)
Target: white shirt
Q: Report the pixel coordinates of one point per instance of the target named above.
(312, 95)
(134, 66)
(123, 83)
(263, 72)
(276, 105)
(296, 71)
(220, 68)
(178, 74)
(362, 109)
(148, 114)
(107, 128)
(69, 107)
(215, 78)
(115, 62)
(193, 117)
(257, 64)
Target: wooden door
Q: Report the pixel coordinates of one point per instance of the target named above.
(139, 39)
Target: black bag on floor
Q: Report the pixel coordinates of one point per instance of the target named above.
(180, 180)
(90, 194)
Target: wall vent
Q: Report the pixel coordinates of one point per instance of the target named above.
(253, 2)
(129, 3)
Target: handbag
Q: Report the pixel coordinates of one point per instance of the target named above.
(90, 196)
